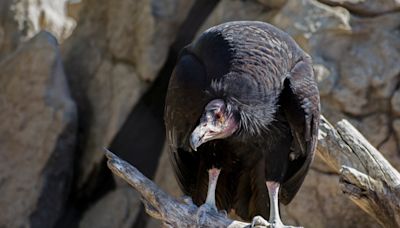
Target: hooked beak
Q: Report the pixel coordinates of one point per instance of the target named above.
(215, 123)
(209, 130)
(200, 135)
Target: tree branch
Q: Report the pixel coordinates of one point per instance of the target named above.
(160, 205)
(365, 175)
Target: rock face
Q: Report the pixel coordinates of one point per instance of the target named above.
(231, 10)
(23, 19)
(358, 75)
(37, 135)
(114, 54)
(366, 7)
(118, 209)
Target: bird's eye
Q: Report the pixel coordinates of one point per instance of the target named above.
(218, 116)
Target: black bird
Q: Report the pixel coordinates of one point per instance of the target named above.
(242, 104)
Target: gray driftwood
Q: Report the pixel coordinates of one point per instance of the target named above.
(160, 205)
(366, 177)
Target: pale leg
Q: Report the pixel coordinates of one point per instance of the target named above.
(273, 192)
(274, 217)
(212, 184)
(209, 205)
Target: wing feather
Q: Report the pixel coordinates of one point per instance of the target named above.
(300, 102)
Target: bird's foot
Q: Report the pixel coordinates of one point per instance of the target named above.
(207, 209)
(202, 211)
(223, 213)
(259, 221)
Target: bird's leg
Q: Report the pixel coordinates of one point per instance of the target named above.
(209, 205)
(213, 174)
(273, 192)
(274, 217)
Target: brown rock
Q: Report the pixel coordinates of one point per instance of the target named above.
(230, 10)
(37, 135)
(374, 127)
(118, 209)
(304, 18)
(359, 49)
(10, 35)
(391, 151)
(396, 126)
(74, 8)
(273, 4)
(361, 56)
(366, 7)
(320, 203)
(326, 78)
(368, 69)
(395, 102)
(165, 179)
(115, 51)
(23, 19)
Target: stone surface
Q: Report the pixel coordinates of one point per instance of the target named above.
(117, 209)
(375, 128)
(114, 54)
(389, 149)
(367, 7)
(74, 8)
(395, 102)
(357, 70)
(230, 10)
(165, 179)
(273, 3)
(304, 18)
(320, 203)
(37, 135)
(23, 19)
(326, 77)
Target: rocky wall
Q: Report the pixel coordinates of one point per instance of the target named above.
(97, 77)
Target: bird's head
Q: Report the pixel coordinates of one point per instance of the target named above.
(218, 121)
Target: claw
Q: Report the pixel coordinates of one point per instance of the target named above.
(224, 213)
(201, 213)
(205, 209)
(259, 221)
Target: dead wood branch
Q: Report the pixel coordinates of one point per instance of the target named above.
(365, 175)
(158, 204)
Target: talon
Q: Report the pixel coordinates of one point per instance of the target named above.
(204, 209)
(259, 221)
(224, 213)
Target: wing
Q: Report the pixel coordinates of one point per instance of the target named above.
(300, 103)
(206, 58)
(184, 104)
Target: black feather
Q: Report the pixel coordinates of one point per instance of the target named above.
(267, 80)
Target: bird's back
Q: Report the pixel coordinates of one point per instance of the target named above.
(252, 61)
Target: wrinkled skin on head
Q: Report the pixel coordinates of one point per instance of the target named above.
(216, 122)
